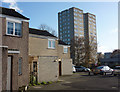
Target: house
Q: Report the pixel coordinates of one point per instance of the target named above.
(107, 55)
(14, 30)
(49, 58)
(64, 58)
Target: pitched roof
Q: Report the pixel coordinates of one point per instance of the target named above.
(11, 12)
(61, 42)
(40, 32)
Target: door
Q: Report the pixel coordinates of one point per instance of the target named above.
(60, 69)
(9, 73)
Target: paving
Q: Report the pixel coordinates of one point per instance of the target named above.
(82, 81)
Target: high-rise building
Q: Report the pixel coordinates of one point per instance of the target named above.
(73, 23)
(90, 37)
(70, 24)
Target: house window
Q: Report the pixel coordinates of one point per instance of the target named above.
(51, 43)
(20, 66)
(65, 49)
(14, 29)
(10, 28)
(18, 29)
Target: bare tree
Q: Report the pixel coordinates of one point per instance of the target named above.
(91, 50)
(43, 27)
(84, 52)
(78, 50)
(47, 28)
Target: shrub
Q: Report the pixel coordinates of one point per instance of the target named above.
(30, 84)
(39, 83)
(21, 89)
(33, 79)
(34, 84)
(44, 83)
(49, 82)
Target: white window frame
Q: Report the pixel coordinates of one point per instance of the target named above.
(13, 28)
(51, 43)
(65, 47)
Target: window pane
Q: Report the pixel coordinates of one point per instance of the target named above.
(65, 50)
(53, 44)
(49, 43)
(10, 28)
(18, 29)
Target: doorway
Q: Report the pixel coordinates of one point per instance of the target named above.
(35, 72)
(60, 68)
(9, 74)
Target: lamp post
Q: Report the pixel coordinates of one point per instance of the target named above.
(59, 59)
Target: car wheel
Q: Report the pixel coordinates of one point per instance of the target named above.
(112, 73)
(104, 73)
(101, 73)
(88, 73)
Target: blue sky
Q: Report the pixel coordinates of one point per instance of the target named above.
(47, 13)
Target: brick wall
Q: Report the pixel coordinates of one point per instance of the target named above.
(0, 54)
(4, 68)
(0, 69)
(21, 44)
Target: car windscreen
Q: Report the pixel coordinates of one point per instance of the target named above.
(77, 67)
(100, 67)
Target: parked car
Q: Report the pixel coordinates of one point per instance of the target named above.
(74, 70)
(87, 69)
(81, 69)
(101, 70)
(116, 70)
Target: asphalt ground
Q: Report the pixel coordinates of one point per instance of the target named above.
(82, 82)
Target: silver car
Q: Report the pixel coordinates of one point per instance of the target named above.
(116, 70)
(102, 70)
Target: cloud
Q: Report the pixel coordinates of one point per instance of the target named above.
(13, 5)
